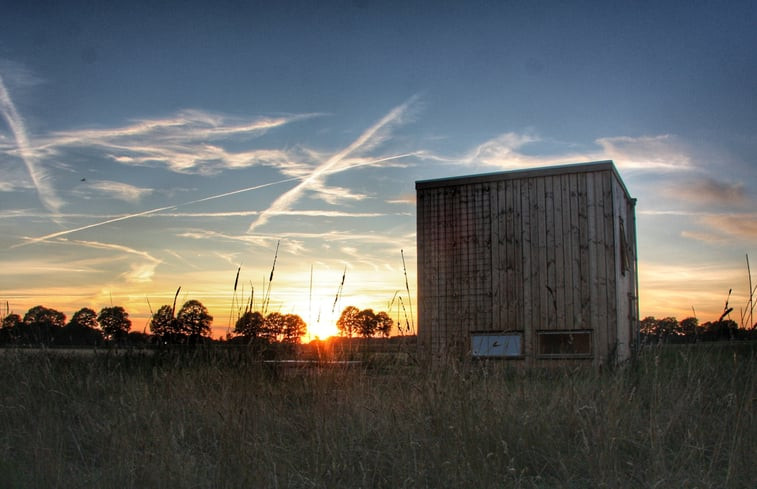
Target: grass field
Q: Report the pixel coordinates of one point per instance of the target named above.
(680, 416)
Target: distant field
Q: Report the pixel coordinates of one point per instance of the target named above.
(681, 416)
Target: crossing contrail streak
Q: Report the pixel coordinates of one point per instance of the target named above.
(332, 165)
(15, 122)
(148, 212)
(241, 190)
(89, 226)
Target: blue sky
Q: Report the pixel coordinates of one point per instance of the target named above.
(143, 147)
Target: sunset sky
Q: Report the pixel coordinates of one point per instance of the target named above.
(154, 145)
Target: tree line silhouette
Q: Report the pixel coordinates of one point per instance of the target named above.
(191, 324)
(45, 326)
(688, 330)
(365, 323)
(254, 327)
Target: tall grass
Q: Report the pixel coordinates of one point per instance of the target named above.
(679, 417)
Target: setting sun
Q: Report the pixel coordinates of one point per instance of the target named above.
(321, 330)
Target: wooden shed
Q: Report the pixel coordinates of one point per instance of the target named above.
(532, 265)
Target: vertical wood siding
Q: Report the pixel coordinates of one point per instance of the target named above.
(526, 254)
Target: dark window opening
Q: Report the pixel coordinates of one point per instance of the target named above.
(564, 343)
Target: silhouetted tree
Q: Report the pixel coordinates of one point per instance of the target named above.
(668, 327)
(250, 325)
(82, 329)
(366, 323)
(294, 329)
(660, 329)
(689, 326)
(115, 322)
(85, 317)
(41, 324)
(164, 325)
(11, 321)
(384, 324)
(194, 320)
(348, 322)
(723, 329)
(648, 326)
(276, 327)
(273, 328)
(10, 329)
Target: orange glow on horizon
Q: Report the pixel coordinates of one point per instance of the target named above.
(321, 331)
(665, 290)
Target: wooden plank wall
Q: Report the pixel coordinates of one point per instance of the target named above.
(526, 254)
(626, 293)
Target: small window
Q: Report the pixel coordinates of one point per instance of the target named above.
(496, 344)
(559, 344)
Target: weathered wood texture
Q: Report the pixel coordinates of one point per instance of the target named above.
(529, 251)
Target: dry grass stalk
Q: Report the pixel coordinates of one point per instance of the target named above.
(267, 295)
(747, 315)
(680, 417)
(407, 287)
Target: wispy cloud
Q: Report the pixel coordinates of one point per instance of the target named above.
(504, 152)
(715, 227)
(39, 177)
(327, 237)
(741, 226)
(658, 153)
(338, 162)
(192, 264)
(710, 191)
(406, 199)
(335, 195)
(330, 213)
(204, 159)
(46, 265)
(186, 125)
(206, 214)
(191, 142)
(139, 272)
(667, 212)
(202, 234)
(116, 190)
(706, 237)
(662, 152)
(111, 247)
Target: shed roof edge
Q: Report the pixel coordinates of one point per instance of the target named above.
(593, 166)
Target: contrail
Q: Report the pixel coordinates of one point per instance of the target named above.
(145, 213)
(15, 122)
(88, 226)
(285, 200)
(241, 190)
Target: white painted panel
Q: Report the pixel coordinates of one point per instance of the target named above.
(496, 345)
